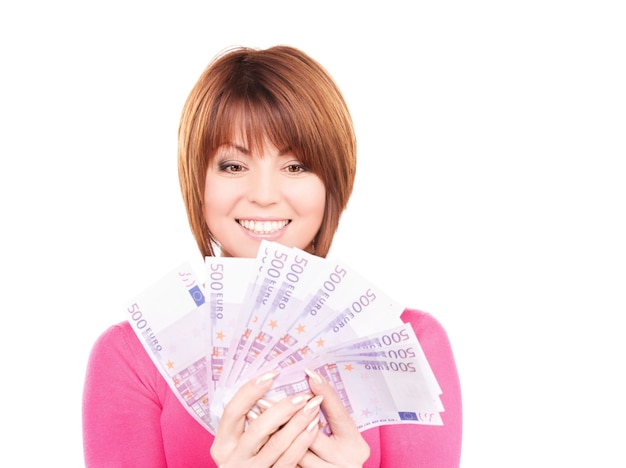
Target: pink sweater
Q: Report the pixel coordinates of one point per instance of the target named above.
(131, 418)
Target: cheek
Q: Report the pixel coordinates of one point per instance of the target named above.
(217, 200)
(312, 198)
(217, 194)
(211, 200)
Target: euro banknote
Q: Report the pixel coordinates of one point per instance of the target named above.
(289, 310)
(171, 320)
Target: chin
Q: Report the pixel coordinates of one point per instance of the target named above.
(249, 250)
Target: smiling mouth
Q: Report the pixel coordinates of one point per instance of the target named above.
(263, 227)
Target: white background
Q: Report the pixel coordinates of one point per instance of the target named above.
(490, 192)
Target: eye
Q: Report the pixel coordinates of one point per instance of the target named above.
(231, 167)
(296, 168)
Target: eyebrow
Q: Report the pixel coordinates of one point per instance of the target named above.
(241, 149)
(246, 151)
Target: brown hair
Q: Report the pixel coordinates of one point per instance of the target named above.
(278, 93)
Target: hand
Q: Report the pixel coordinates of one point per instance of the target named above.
(278, 437)
(345, 447)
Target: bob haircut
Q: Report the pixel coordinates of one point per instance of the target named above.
(279, 94)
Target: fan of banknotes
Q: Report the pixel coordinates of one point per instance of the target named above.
(285, 309)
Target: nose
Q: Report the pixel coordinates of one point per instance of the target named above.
(264, 188)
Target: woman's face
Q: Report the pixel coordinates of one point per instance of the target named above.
(268, 194)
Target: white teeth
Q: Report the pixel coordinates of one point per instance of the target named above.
(263, 227)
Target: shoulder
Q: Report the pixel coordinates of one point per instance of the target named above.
(117, 338)
(433, 339)
(118, 353)
(436, 345)
(423, 323)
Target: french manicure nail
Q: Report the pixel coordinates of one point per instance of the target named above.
(267, 377)
(264, 403)
(313, 375)
(300, 398)
(313, 404)
(313, 424)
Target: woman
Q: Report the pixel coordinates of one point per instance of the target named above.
(266, 151)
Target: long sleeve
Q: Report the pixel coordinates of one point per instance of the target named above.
(429, 446)
(131, 418)
(121, 407)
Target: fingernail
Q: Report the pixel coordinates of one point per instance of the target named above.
(267, 377)
(301, 398)
(264, 403)
(252, 415)
(313, 424)
(313, 375)
(313, 404)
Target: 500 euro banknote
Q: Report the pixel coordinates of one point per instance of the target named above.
(380, 380)
(170, 318)
(290, 310)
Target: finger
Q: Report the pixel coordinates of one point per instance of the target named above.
(276, 416)
(339, 420)
(233, 421)
(311, 460)
(251, 416)
(245, 398)
(293, 426)
(342, 426)
(263, 404)
(300, 445)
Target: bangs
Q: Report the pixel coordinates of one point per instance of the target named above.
(256, 117)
